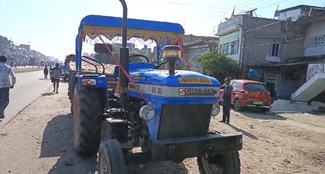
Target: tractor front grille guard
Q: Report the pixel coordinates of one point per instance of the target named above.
(181, 121)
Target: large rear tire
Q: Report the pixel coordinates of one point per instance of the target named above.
(87, 110)
(226, 163)
(110, 158)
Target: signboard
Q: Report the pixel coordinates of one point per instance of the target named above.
(254, 73)
(194, 81)
(167, 91)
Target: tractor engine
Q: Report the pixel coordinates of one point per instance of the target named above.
(173, 103)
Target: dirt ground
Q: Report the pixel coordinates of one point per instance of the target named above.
(39, 140)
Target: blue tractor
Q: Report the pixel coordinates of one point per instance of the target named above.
(165, 112)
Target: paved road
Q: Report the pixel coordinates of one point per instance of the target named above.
(29, 86)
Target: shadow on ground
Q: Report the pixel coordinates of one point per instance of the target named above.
(45, 79)
(58, 142)
(252, 136)
(158, 168)
(261, 115)
(48, 94)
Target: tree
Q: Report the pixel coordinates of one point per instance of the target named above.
(219, 66)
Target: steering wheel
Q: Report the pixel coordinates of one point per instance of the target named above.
(139, 56)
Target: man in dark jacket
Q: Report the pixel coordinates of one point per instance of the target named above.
(56, 74)
(227, 87)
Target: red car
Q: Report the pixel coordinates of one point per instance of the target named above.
(249, 94)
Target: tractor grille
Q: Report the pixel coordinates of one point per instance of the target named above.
(180, 121)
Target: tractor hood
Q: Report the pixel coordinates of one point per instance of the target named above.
(181, 78)
(185, 87)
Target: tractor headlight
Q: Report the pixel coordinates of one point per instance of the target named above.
(215, 109)
(171, 52)
(147, 112)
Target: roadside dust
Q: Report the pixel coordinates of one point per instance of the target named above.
(39, 140)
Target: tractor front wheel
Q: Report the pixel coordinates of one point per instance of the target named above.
(87, 110)
(110, 158)
(226, 163)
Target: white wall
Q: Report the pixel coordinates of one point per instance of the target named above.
(228, 38)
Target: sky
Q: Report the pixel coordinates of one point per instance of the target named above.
(50, 26)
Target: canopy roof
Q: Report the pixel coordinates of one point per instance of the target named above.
(94, 25)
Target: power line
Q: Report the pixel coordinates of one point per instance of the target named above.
(277, 3)
(201, 6)
(251, 3)
(244, 4)
(263, 26)
(278, 42)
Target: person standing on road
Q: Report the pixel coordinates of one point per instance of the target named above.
(227, 87)
(46, 72)
(56, 74)
(5, 84)
(50, 71)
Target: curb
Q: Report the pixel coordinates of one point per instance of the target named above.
(23, 70)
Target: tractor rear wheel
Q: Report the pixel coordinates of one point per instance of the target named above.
(110, 158)
(225, 163)
(87, 110)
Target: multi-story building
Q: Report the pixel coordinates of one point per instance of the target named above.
(268, 50)
(313, 21)
(196, 46)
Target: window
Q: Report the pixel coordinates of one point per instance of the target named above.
(221, 48)
(224, 49)
(232, 48)
(254, 87)
(235, 85)
(275, 49)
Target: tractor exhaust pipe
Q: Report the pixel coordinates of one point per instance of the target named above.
(171, 68)
(124, 58)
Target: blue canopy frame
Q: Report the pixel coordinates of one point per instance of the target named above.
(94, 25)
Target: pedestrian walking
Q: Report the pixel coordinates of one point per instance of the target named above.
(227, 87)
(46, 72)
(7, 81)
(50, 71)
(55, 78)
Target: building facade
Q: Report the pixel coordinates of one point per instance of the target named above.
(267, 49)
(313, 21)
(196, 46)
